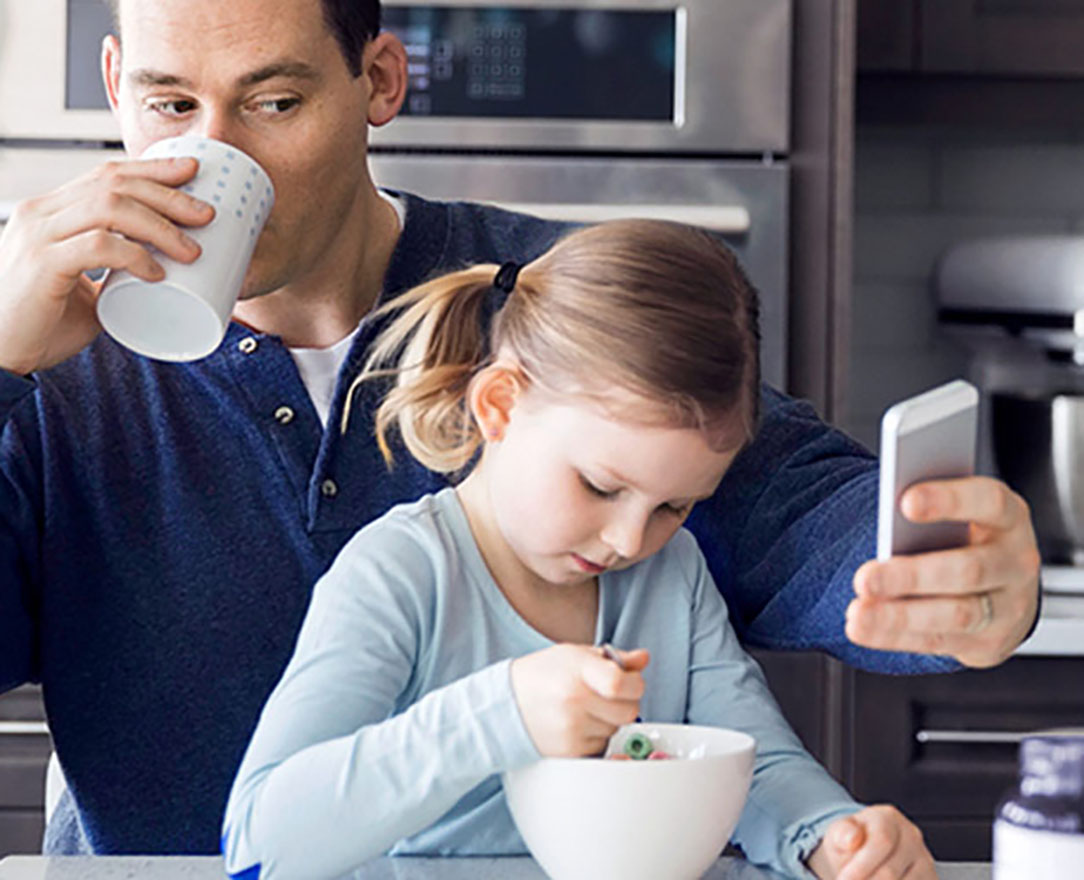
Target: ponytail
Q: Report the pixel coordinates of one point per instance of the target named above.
(433, 348)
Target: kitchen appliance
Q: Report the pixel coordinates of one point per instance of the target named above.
(689, 75)
(1018, 304)
(589, 110)
(573, 109)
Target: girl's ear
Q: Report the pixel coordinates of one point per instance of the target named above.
(492, 396)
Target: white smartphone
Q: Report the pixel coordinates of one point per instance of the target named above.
(928, 437)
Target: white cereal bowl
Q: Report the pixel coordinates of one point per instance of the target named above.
(596, 819)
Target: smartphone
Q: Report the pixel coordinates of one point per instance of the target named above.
(928, 437)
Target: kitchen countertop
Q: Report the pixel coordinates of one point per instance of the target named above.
(210, 868)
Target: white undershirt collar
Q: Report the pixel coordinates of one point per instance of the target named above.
(319, 367)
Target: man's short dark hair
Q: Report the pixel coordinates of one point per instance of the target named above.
(353, 22)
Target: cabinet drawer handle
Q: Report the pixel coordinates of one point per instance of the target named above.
(969, 736)
(24, 728)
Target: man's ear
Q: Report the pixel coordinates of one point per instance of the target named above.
(111, 69)
(384, 62)
(492, 395)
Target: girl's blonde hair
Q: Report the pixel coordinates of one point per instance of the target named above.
(658, 309)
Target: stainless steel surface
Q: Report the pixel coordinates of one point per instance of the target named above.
(1060, 632)
(1063, 580)
(973, 737)
(33, 38)
(24, 728)
(735, 83)
(610, 654)
(1038, 447)
(726, 219)
(686, 189)
(1067, 459)
(141, 868)
(737, 87)
(1028, 286)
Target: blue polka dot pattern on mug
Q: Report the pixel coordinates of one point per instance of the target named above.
(217, 182)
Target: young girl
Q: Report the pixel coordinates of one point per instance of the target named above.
(458, 636)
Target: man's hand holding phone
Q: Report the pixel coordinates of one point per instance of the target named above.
(975, 602)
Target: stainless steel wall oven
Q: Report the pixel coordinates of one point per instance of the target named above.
(592, 109)
(584, 109)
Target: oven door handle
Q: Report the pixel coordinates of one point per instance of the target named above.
(24, 728)
(726, 219)
(970, 737)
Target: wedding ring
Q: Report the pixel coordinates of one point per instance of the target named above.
(986, 603)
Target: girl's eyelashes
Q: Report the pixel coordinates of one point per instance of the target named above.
(599, 492)
(595, 490)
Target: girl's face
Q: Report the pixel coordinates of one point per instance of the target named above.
(574, 491)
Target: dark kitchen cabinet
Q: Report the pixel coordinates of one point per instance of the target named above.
(887, 35)
(799, 682)
(943, 748)
(1000, 38)
(1003, 37)
(24, 754)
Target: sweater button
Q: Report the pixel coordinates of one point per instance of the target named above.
(284, 415)
(248, 345)
(328, 489)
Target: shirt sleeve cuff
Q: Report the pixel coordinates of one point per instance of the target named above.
(802, 838)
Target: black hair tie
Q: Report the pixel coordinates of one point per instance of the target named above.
(505, 279)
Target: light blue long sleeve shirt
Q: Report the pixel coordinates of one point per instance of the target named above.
(396, 715)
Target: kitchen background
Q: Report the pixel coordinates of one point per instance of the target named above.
(914, 125)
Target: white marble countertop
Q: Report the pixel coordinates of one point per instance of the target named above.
(189, 868)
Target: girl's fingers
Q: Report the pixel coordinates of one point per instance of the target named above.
(844, 837)
(613, 713)
(881, 840)
(605, 678)
(635, 661)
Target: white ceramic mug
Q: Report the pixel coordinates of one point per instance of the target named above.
(184, 316)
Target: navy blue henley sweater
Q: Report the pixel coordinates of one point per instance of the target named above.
(160, 533)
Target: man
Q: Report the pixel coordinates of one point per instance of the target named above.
(161, 525)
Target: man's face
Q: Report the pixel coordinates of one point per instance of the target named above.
(268, 77)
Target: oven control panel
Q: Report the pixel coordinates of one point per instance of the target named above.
(529, 63)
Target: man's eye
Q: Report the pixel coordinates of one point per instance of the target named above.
(173, 107)
(277, 105)
(595, 490)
